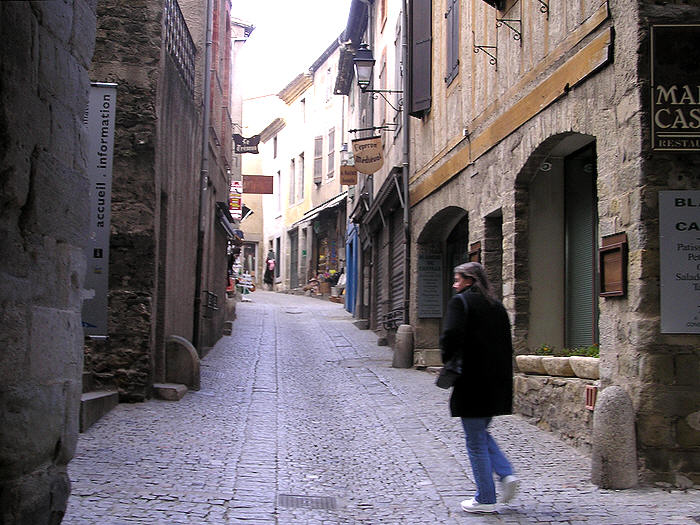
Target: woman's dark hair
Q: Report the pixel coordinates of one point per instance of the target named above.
(481, 281)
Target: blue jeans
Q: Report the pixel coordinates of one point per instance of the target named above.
(485, 457)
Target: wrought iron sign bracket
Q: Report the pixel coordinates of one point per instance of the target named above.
(544, 7)
(509, 23)
(494, 57)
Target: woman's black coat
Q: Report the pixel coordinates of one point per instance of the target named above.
(483, 339)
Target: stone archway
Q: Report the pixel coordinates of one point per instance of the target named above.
(437, 244)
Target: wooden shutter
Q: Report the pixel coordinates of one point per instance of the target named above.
(397, 261)
(452, 16)
(318, 160)
(421, 42)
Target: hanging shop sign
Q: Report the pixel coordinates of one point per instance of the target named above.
(679, 229)
(675, 87)
(245, 144)
(369, 154)
(99, 120)
(235, 202)
(257, 184)
(348, 175)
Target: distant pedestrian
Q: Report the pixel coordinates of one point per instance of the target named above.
(269, 276)
(477, 330)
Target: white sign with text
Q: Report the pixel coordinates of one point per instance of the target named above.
(679, 229)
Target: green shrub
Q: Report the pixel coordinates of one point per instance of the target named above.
(585, 351)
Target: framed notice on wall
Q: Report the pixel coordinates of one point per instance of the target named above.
(429, 285)
(679, 227)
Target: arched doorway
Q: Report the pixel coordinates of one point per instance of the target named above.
(558, 212)
(441, 245)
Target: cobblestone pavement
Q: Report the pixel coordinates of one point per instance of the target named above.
(302, 420)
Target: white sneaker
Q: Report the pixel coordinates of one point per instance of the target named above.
(510, 488)
(471, 505)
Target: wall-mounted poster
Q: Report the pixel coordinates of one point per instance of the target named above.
(679, 227)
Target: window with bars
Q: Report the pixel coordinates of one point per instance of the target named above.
(331, 153)
(318, 160)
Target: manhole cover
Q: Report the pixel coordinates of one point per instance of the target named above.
(306, 502)
(292, 311)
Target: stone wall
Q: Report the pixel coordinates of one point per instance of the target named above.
(45, 54)
(556, 404)
(663, 370)
(127, 52)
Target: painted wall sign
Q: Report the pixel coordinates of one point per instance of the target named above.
(679, 227)
(235, 202)
(675, 87)
(430, 283)
(348, 175)
(257, 184)
(243, 144)
(369, 154)
(99, 122)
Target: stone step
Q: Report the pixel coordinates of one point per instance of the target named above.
(94, 405)
(169, 391)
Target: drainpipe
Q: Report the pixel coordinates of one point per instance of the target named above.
(203, 178)
(404, 169)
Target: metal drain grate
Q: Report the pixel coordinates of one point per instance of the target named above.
(307, 502)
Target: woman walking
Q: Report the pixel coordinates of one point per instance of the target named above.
(477, 333)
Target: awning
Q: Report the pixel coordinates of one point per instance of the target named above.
(226, 221)
(330, 203)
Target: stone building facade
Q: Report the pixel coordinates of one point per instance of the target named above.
(44, 63)
(170, 224)
(305, 219)
(530, 149)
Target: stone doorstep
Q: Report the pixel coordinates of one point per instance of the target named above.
(94, 405)
(169, 391)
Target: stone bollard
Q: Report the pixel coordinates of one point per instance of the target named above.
(614, 464)
(403, 353)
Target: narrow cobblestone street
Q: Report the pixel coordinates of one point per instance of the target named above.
(302, 420)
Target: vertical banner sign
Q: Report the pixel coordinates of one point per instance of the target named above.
(675, 87)
(679, 228)
(429, 285)
(235, 205)
(99, 122)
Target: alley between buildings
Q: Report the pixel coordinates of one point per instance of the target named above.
(302, 420)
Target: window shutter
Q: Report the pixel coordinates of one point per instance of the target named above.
(421, 27)
(318, 160)
(452, 17)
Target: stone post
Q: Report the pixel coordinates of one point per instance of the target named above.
(614, 441)
(403, 353)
